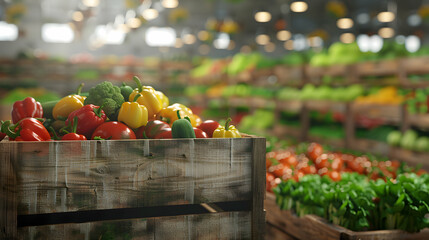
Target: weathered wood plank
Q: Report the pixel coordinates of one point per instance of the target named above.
(258, 188)
(8, 203)
(228, 225)
(70, 176)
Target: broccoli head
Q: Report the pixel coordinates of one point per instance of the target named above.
(106, 95)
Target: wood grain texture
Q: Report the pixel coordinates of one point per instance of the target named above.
(314, 227)
(8, 203)
(70, 176)
(228, 225)
(258, 188)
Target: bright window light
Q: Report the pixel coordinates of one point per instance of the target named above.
(376, 43)
(412, 43)
(222, 41)
(363, 42)
(8, 32)
(109, 35)
(57, 33)
(157, 37)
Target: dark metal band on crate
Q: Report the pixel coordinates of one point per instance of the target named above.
(130, 213)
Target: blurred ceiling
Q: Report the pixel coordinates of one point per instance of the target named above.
(319, 19)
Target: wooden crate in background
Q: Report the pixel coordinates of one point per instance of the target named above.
(286, 225)
(140, 189)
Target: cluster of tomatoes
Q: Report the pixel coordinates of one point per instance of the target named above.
(287, 164)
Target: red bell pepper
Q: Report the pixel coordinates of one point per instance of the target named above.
(89, 117)
(73, 135)
(2, 135)
(27, 129)
(28, 107)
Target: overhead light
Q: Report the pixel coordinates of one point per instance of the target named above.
(77, 16)
(123, 28)
(160, 37)
(204, 49)
(345, 23)
(299, 6)
(412, 43)
(369, 44)
(283, 35)
(386, 32)
(57, 33)
(91, 3)
(189, 38)
(386, 17)
(150, 14)
(347, 37)
(288, 45)
(178, 43)
(270, 47)
(222, 41)
(8, 32)
(134, 22)
(107, 34)
(203, 35)
(170, 3)
(262, 39)
(246, 49)
(400, 39)
(263, 16)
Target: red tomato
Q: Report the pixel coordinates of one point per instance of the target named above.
(208, 127)
(314, 151)
(200, 133)
(165, 134)
(322, 162)
(335, 176)
(291, 160)
(113, 130)
(297, 175)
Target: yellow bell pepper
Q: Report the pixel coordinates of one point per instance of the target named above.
(149, 98)
(68, 104)
(133, 114)
(169, 114)
(164, 99)
(227, 131)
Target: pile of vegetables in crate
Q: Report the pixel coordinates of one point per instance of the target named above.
(356, 192)
(109, 112)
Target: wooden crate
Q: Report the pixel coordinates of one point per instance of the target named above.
(144, 189)
(287, 225)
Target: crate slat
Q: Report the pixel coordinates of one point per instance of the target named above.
(229, 225)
